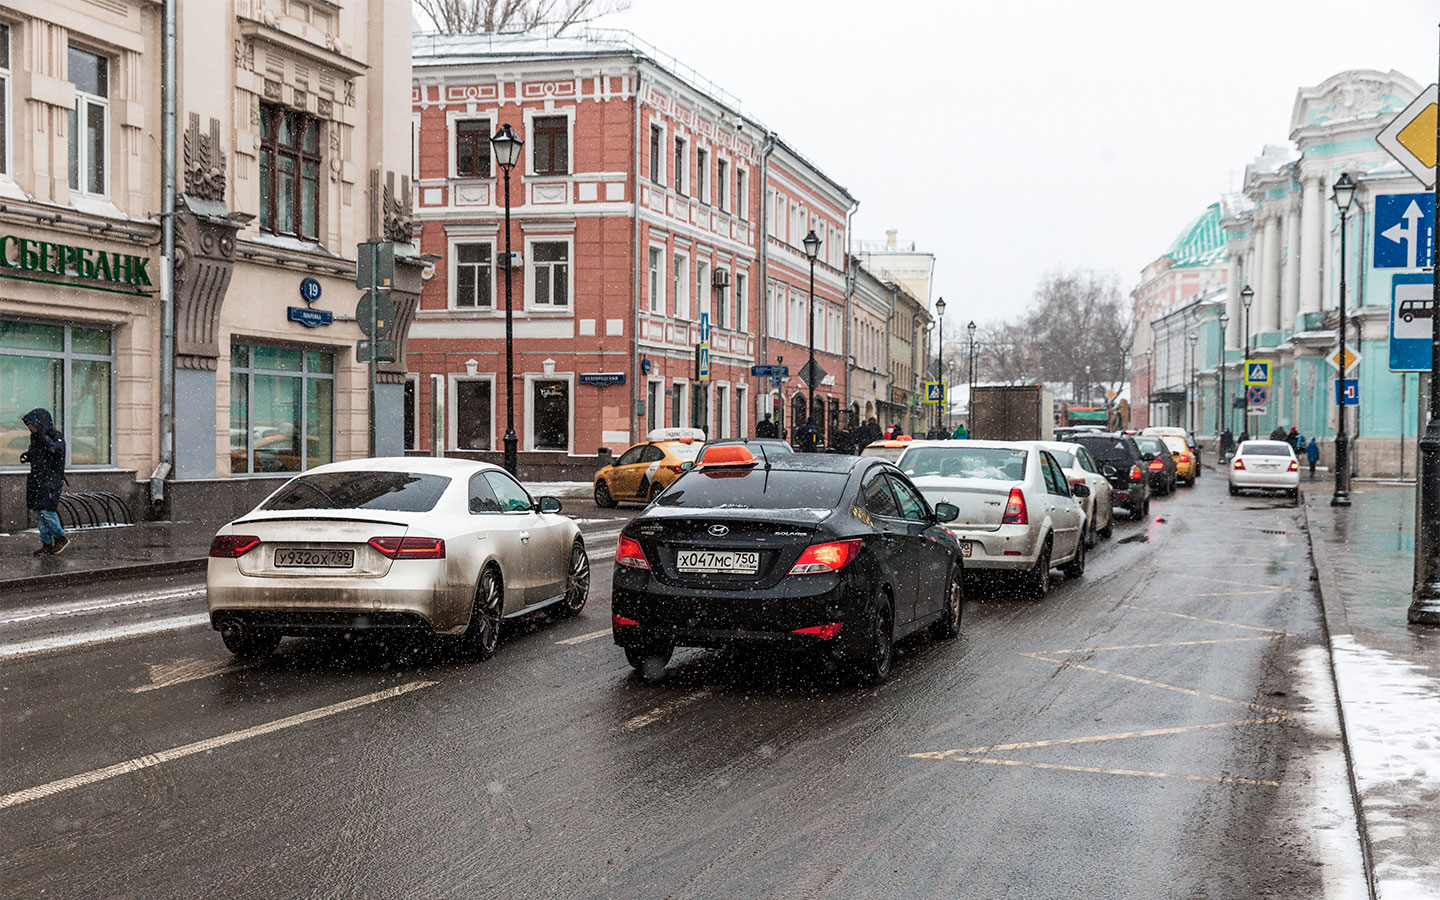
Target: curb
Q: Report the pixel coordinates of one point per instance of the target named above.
(1337, 622)
(115, 573)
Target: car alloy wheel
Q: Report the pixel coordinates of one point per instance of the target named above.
(577, 582)
(1076, 567)
(880, 654)
(602, 496)
(1037, 580)
(949, 625)
(483, 634)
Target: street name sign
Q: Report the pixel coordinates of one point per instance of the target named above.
(770, 371)
(310, 318)
(1410, 138)
(1258, 395)
(602, 378)
(1347, 392)
(1257, 372)
(1404, 230)
(1412, 310)
(1351, 358)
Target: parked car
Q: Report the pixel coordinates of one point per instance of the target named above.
(436, 546)
(888, 449)
(1080, 468)
(761, 447)
(1066, 432)
(1124, 465)
(837, 555)
(1265, 465)
(1160, 463)
(643, 471)
(1182, 447)
(1017, 511)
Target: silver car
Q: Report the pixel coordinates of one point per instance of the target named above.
(436, 546)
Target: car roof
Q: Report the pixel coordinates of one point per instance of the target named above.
(427, 465)
(824, 462)
(1068, 446)
(960, 444)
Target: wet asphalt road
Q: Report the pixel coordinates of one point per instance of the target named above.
(1152, 729)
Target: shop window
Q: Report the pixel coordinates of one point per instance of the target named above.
(550, 274)
(66, 369)
(289, 172)
(282, 399)
(550, 145)
(473, 262)
(4, 99)
(677, 405)
(472, 148)
(550, 402)
(655, 393)
(89, 120)
(473, 413)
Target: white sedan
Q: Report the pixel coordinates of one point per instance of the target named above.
(1018, 511)
(1265, 465)
(1080, 467)
(436, 546)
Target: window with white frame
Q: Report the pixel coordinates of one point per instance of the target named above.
(774, 310)
(657, 280)
(722, 410)
(742, 196)
(722, 178)
(702, 290)
(702, 175)
(472, 148)
(680, 286)
(722, 302)
(742, 303)
(474, 268)
(89, 121)
(798, 321)
(680, 160)
(4, 99)
(549, 266)
(550, 145)
(773, 226)
(657, 158)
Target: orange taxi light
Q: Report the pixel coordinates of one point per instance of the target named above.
(904, 437)
(728, 455)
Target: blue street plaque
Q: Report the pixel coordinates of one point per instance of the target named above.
(704, 328)
(309, 290)
(1347, 392)
(602, 378)
(1412, 315)
(310, 318)
(770, 371)
(1404, 230)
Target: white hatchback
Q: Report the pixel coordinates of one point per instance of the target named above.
(437, 546)
(1265, 465)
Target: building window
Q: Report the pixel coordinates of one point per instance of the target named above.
(702, 173)
(657, 280)
(722, 407)
(680, 160)
(742, 304)
(702, 289)
(550, 274)
(550, 145)
(473, 406)
(4, 99)
(473, 268)
(66, 369)
(677, 404)
(550, 401)
(742, 195)
(89, 120)
(281, 399)
(472, 148)
(289, 172)
(679, 287)
(656, 139)
(722, 174)
(654, 413)
(722, 302)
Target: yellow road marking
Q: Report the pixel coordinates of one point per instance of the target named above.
(589, 636)
(1166, 612)
(1095, 738)
(1213, 779)
(1165, 644)
(661, 712)
(1158, 684)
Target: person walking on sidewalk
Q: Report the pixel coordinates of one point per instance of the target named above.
(46, 457)
(1312, 456)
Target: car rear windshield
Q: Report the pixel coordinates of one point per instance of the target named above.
(388, 491)
(1148, 445)
(1106, 449)
(1176, 444)
(991, 463)
(1265, 448)
(890, 453)
(685, 451)
(755, 488)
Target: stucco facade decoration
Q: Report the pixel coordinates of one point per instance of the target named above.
(869, 323)
(90, 347)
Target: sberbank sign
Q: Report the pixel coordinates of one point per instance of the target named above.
(25, 258)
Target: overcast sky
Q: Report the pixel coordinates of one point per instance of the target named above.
(1015, 138)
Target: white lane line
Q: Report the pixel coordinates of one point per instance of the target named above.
(580, 639)
(101, 636)
(661, 712)
(76, 609)
(164, 756)
(164, 675)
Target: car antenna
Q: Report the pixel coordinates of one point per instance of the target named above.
(764, 456)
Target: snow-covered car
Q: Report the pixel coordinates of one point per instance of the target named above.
(1080, 467)
(1265, 465)
(1018, 512)
(436, 546)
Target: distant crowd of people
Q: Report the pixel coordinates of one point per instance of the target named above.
(847, 440)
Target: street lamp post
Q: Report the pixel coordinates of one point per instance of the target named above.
(940, 367)
(812, 250)
(1194, 338)
(970, 374)
(506, 145)
(1344, 194)
(1149, 385)
(1425, 601)
(1222, 410)
(1247, 296)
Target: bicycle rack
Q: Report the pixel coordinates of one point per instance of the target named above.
(93, 509)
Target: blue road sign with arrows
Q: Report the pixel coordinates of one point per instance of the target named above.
(1404, 230)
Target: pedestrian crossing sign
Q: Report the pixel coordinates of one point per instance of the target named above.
(1257, 372)
(934, 392)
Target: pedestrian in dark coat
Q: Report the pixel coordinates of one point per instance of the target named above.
(1312, 456)
(1278, 434)
(46, 457)
(766, 429)
(1227, 444)
(1294, 439)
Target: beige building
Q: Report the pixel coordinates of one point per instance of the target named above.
(292, 144)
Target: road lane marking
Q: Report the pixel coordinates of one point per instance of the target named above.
(1165, 644)
(661, 712)
(164, 756)
(164, 675)
(1157, 684)
(1166, 612)
(100, 636)
(82, 607)
(580, 639)
(1212, 779)
(1219, 580)
(1096, 738)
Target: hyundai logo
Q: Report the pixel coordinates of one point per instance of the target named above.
(719, 530)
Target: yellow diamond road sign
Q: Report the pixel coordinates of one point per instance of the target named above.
(1410, 138)
(1351, 358)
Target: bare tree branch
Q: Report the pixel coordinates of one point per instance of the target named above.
(551, 17)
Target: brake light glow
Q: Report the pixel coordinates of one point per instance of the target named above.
(823, 632)
(621, 621)
(1136, 474)
(232, 546)
(1156, 465)
(629, 554)
(1294, 466)
(1015, 512)
(1184, 457)
(409, 547)
(1239, 463)
(831, 557)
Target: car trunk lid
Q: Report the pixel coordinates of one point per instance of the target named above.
(294, 545)
(981, 501)
(721, 540)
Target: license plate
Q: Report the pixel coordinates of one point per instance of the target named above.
(296, 558)
(719, 561)
(965, 548)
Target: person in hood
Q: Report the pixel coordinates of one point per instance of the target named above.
(46, 457)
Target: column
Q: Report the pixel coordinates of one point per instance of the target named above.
(1267, 296)
(1312, 227)
(1290, 275)
(1233, 309)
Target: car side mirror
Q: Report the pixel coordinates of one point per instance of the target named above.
(1080, 490)
(1109, 471)
(687, 465)
(946, 512)
(549, 504)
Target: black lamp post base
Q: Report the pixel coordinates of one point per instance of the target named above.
(512, 455)
(1340, 498)
(1425, 610)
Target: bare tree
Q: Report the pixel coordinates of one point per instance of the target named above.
(552, 17)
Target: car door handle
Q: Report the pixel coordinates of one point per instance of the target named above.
(524, 536)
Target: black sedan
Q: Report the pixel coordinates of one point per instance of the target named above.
(836, 555)
(1160, 463)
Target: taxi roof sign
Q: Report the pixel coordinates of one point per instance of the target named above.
(675, 434)
(1410, 137)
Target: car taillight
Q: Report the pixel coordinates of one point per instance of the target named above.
(1184, 457)
(1239, 463)
(621, 621)
(823, 632)
(1156, 465)
(1015, 512)
(409, 547)
(676, 469)
(629, 554)
(230, 546)
(831, 557)
(1136, 474)
(1294, 466)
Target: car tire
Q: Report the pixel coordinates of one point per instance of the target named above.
(874, 666)
(1076, 567)
(655, 491)
(1234, 491)
(1092, 537)
(251, 645)
(1109, 528)
(482, 635)
(1036, 582)
(577, 583)
(949, 625)
(638, 656)
(602, 496)
(1145, 508)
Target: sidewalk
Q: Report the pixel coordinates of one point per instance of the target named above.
(1387, 675)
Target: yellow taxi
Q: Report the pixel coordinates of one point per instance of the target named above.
(888, 449)
(1187, 461)
(643, 471)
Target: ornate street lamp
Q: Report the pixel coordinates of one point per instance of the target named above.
(970, 373)
(1344, 194)
(1222, 411)
(1247, 296)
(1149, 386)
(1194, 338)
(812, 250)
(940, 367)
(506, 150)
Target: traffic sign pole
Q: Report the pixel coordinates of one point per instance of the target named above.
(1425, 600)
